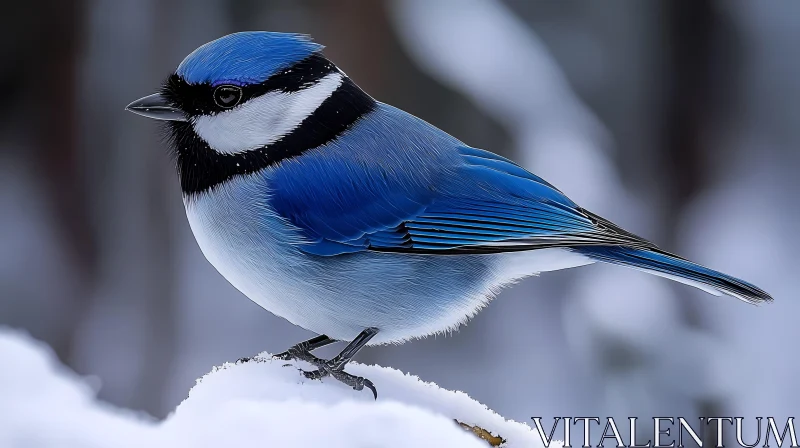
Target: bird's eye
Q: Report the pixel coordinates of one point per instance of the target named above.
(227, 96)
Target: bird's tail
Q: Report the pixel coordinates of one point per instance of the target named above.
(675, 268)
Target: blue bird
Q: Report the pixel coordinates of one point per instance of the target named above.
(356, 220)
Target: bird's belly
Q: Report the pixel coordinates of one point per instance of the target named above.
(404, 296)
(250, 246)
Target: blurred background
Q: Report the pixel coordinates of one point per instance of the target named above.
(680, 121)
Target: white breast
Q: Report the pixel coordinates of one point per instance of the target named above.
(244, 240)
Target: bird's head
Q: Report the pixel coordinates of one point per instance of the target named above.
(248, 100)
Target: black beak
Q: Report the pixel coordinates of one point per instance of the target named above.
(156, 106)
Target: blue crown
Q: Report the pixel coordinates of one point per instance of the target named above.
(245, 58)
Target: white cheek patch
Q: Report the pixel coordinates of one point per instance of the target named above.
(265, 119)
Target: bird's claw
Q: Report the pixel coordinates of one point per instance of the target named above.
(369, 386)
(329, 369)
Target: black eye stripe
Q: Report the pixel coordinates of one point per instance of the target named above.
(200, 99)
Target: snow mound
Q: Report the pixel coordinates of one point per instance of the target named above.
(263, 402)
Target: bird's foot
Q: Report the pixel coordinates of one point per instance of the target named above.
(303, 350)
(336, 370)
(332, 367)
(296, 352)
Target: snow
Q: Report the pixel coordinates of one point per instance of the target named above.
(262, 402)
(42, 404)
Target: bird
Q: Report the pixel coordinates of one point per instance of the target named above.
(358, 221)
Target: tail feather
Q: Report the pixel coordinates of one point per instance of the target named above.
(675, 268)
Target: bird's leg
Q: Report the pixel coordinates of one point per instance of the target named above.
(335, 367)
(303, 349)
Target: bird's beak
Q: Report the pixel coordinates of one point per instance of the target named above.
(156, 106)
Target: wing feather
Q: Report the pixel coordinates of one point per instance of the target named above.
(483, 203)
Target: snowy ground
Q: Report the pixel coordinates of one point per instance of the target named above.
(258, 403)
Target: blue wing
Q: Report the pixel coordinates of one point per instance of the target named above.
(477, 202)
(443, 198)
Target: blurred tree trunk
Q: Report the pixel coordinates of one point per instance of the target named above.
(127, 335)
(40, 57)
(697, 81)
